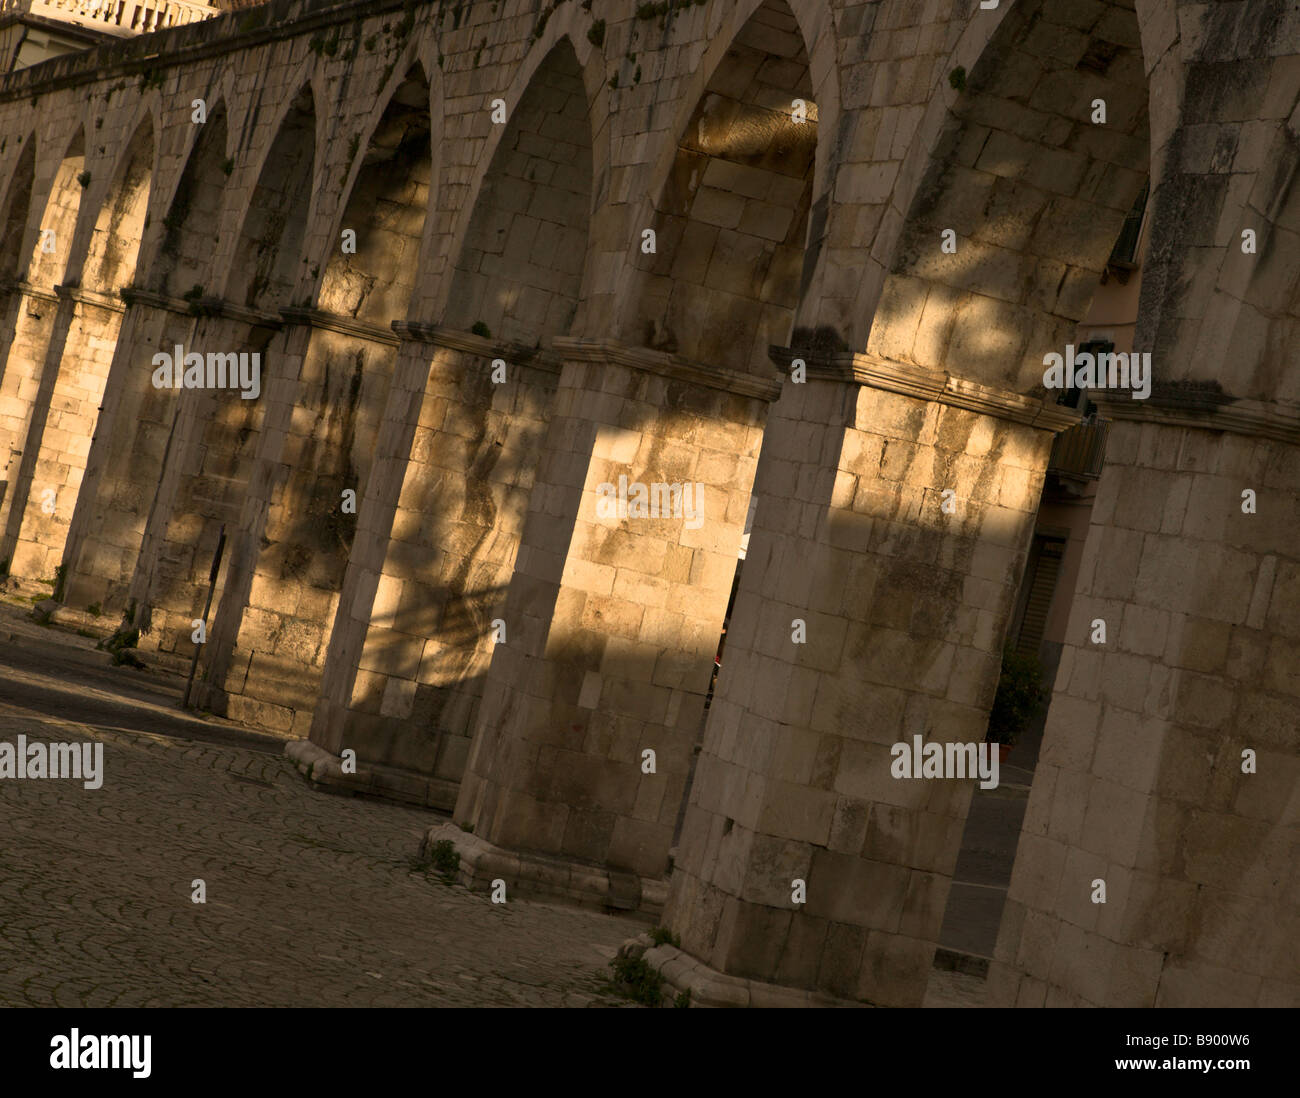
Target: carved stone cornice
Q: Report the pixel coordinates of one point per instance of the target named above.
(938, 386)
(668, 365)
(29, 290)
(138, 295)
(1209, 412)
(108, 302)
(456, 339)
(344, 325)
(228, 310)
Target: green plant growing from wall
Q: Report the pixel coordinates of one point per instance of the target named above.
(120, 646)
(664, 8)
(636, 980)
(403, 29)
(661, 935)
(443, 858)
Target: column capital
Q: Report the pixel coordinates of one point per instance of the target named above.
(138, 295)
(109, 302)
(1208, 409)
(668, 365)
(876, 372)
(456, 339)
(228, 310)
(29, 289)
(344, 325)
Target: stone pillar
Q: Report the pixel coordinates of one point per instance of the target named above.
(44, 493)
(201, 485)
(376, 511)
(1141, 782)
(612, 626)
(905, 606)
(287, 551)
(127, 457)
(422, 627)
(259, 654)
(32, 317)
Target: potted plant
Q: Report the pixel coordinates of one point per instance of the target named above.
(1020, 698)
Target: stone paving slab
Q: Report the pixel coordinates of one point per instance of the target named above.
(311, 899)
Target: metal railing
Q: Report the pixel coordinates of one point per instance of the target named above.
(1080, 450)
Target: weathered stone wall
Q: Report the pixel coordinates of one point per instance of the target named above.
(1170, 759)
(910, 371)
(1142, 781)
(866, 615)
(615, 617)
(426, 631)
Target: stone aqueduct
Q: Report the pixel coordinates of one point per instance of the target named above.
(129, 229)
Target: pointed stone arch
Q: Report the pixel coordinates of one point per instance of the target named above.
(17, 208)
(520, 264)
(456, 511)
(731, 218)
(1148, 741)
(119, 226)
(905, 602)
(33, 318)
(59, 216)
(265, 270)
(385, 209)
(1223, 315)
(44, 492)
(183, 257)
(1034, 189)
(214, 435)
(268, 642)
(130, 447)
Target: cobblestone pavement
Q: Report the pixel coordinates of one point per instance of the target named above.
(312, 899)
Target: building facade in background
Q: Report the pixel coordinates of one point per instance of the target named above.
(32, 31)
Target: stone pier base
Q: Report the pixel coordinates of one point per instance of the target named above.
(530, 874)
(325, 771)
(710, 988)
